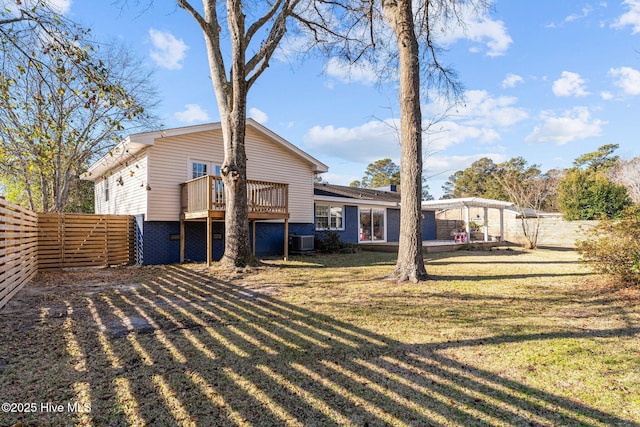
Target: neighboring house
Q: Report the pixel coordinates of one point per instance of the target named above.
(362, 215)
(169, 179)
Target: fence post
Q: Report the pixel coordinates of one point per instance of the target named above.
(106, 239)
(63, 243)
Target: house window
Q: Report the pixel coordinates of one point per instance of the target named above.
(106, 189)
(329, 217)
(199, 168)
(372, 225)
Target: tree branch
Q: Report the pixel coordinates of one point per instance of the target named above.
(211, 28)
(253, 29)
(262, 57)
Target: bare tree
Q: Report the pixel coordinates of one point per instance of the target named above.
(231, 83)
(627, 173)
(529, 190)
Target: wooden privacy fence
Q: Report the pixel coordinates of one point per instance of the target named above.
(83, 240)
(18, 249)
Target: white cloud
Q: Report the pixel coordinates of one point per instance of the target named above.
(570, 84)
(379, 139)
(479, 29)
(511, 80)
(480, 109)
(584, 12)
(60, 6)
(258, 115)
(626, 78)
(168, 52)
(631, 17)
(192, 113)
(359, 72)
(290, 48)
(481, 119)
(483, 109)
(448, 133)
(606, 95)
(573, 124)
(577, 16)
(366, 143)
(10, 7)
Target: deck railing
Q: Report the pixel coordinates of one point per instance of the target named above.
(207, 193)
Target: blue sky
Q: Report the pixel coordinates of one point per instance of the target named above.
(546, 80)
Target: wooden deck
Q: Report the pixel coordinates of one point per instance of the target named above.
(203, 199)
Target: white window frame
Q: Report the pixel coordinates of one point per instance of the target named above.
(212, 167)
(329, 206)
(370, 209)
(105, 189)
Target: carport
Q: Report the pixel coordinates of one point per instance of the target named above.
(466, 204)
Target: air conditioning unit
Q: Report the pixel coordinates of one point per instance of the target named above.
(301, 243)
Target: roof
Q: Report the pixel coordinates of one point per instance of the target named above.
(531, 213)
(136, 142)
(369, 194)
(471, 202)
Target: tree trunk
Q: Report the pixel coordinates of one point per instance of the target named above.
(237, 248)
(232, 101)
(410, 263)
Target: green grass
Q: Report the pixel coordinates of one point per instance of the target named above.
(495, 338)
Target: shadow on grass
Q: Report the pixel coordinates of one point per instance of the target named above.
(510, 262)
(373, 258)
(183, 349)
(350, 260)
(479, 278)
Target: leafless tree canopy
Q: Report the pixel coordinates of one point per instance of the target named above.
(627, 173)
(356, 32)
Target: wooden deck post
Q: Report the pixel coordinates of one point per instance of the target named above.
(286, 239)
(181, 239)
(209, 227)
(253, 237)
(209, 240)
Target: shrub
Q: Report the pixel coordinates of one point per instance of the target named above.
(589, 195)
(613, 246)
(329, 242)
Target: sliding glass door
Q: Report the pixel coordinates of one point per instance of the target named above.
(372, 225)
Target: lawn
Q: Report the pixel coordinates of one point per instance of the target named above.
(504, 337)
